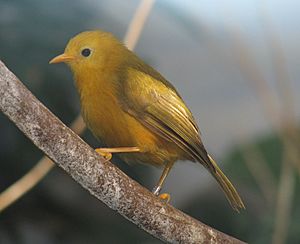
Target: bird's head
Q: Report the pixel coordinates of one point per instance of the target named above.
(89, 50)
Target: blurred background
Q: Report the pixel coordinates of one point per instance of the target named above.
(236, 64)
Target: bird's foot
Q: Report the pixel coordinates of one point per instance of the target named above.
(107, 152)
(164, 196)
(106, 155)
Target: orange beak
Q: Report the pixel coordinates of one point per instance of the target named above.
(61, 58)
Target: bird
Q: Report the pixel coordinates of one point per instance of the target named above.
(134, 110)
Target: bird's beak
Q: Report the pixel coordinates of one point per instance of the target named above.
(62, 58)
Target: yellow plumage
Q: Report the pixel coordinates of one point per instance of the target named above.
(126, 103)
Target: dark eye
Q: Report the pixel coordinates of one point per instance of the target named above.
(86, 52)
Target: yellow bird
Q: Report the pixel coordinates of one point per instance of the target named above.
(134, 110)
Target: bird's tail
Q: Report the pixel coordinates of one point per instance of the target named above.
(229, 190)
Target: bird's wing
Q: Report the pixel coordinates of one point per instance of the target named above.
(154, 102)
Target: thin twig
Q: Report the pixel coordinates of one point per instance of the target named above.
(44, 165)
(284, 123)
(286, 188)
(24, 184)
(284, 203)
(254, 161)
(260, 171)
(256, 78)
(260, 85)
(35, 175)
(97, 175)
(137, 24)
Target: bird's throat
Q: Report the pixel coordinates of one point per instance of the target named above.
(99, 102)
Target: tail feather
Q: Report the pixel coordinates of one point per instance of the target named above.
(227, 187)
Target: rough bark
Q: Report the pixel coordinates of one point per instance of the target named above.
(101, 178)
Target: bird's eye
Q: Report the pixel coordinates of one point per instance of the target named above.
(86, 52)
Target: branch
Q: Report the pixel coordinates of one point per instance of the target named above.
(100, 177)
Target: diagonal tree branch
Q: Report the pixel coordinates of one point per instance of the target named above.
(101, 178)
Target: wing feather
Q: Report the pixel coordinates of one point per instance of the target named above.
(161, 109)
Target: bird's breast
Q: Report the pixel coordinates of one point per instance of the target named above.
(114, 127)
(103, 114)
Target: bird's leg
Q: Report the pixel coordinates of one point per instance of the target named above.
(107, 152)
(164, 196)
